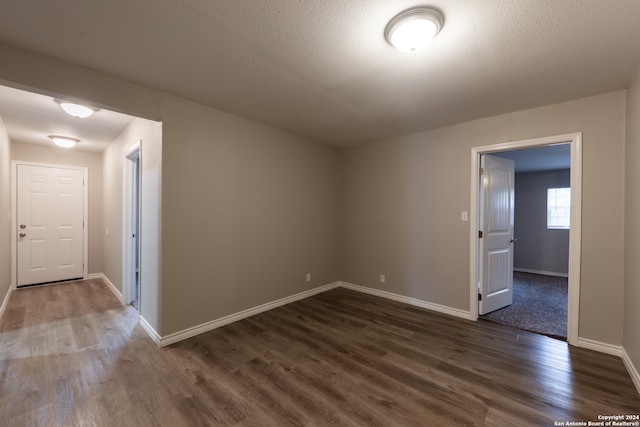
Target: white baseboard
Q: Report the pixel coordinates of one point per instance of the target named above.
(546, 273)
(633, 372)
(110, 285)
(614, 350)
(214, 324)
(408, 300)
(208, 326)
(149, 330)
(3, 307)
(143, 322)
(163, 341)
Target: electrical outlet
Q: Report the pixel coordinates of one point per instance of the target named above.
(383, 278)
(308, 277)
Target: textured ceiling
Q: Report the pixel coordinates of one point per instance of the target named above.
(31, 117)
(322, 68)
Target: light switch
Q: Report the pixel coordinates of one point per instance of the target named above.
(464, 216)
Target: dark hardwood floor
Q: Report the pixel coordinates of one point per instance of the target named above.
(71, 355)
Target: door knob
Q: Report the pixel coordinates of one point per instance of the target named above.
(23, 226)
(515, 239)
(22, 234)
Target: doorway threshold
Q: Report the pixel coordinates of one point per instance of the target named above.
(55, 282)
(539, 305)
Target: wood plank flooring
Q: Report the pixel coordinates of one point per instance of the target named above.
(71, 355)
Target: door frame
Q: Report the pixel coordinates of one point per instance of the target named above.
(14, 216)
(575, 232)
(128, 249)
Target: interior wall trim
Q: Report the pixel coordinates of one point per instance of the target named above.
(633, 372)
(546, 273)
(614, 350)
(3, 307)
(150, 331)
(163, 341)
(408, 300)
(217, 323)
(214, 324)
(575, 236)
(109, 284)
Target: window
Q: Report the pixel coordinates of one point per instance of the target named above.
(558, 207)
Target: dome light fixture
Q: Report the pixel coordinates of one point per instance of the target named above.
(64, 141)
(76, 110)
(413, 29)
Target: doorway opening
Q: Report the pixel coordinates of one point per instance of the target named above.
(105, 137)
(571, 143)
(541, 226)
(131, 226)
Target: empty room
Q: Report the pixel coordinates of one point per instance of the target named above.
(256, 213)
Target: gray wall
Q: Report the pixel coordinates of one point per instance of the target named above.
(5, 208)
(402, 199)
(632, 225)
(246, 210)
(72, 157)
(539, 248)
(112, 211)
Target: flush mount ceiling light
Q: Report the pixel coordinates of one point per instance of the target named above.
(64, 141)
(413, 29)
(76, 110)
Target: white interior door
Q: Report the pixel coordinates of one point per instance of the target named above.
(496, 242)
(50, 216)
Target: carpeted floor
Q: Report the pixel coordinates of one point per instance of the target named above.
(539, 305)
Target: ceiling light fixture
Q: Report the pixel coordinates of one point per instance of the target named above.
(64, 141)
(76, 110)
(413, 29)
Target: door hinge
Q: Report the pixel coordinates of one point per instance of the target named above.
(481, 171)
(479, 297)
(479, 234)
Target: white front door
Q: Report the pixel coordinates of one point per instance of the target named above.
(50, 216)
(496, 227)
